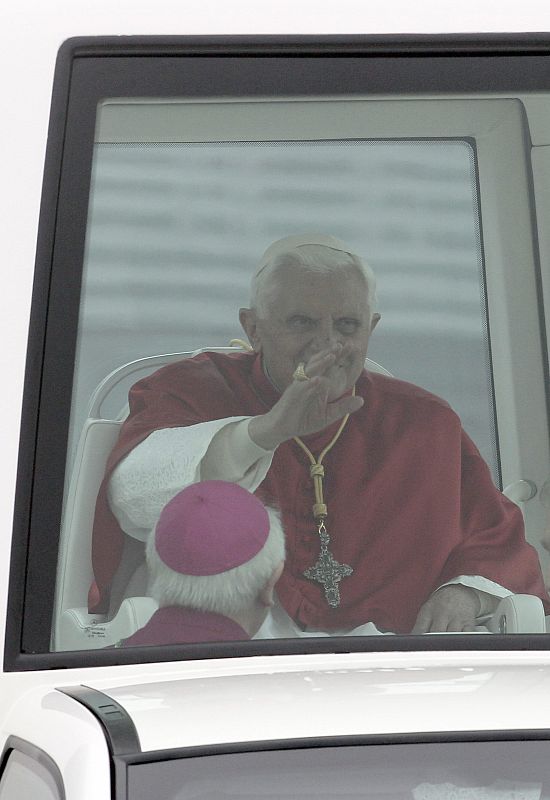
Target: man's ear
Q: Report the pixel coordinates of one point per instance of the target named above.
(375, 319)
(249, 322)
(267, 594)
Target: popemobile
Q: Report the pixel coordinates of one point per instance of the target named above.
(249, 558)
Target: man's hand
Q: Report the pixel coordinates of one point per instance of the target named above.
(304, 406)
(451, 608)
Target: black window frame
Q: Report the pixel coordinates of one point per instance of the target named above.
(17, 744)
(90, 69)
(123, 762)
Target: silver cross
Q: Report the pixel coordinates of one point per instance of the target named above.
(327, 570)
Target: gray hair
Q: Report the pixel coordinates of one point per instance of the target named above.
(318, 258)
(229, 592)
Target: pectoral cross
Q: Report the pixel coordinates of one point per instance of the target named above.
(327, 570)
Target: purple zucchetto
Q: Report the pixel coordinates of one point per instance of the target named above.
(211, 527)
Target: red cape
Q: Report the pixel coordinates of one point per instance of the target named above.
(411, 502)
(178, 625)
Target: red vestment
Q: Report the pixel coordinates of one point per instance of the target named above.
(411, 503)
(177, 625)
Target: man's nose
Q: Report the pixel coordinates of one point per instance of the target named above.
(326, 335)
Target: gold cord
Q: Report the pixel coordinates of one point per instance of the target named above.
(317, 471)
(241, 343)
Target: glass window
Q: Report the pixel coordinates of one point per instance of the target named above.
(23, 776)
(175, 234)
(175, 231)
(481, 770)
(384, 425)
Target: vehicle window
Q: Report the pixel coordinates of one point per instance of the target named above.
(483, 770)
(321, 312)
(161, 211)
(23, 776)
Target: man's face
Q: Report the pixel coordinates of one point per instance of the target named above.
(306, 312)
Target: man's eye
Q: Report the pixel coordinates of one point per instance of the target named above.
(347, 325)
(299, 323)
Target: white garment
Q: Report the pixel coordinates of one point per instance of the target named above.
(278, 625)
(171, 458)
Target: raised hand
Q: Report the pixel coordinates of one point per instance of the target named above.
(304, 407)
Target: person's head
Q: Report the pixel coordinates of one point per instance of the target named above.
(311, 293)
(217, 548)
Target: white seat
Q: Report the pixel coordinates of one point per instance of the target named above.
(518, 613)
(73, 627)
(79, 630)
(74, 574)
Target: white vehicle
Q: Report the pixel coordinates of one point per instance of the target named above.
(171, 163)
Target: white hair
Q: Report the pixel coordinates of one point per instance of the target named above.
(229, 592)
(318, 258)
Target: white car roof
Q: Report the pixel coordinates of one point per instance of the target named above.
(288, 697)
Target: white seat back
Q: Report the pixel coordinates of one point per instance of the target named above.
(78, 630)
(74, 575)
(124, 377)
(73, 627)
(118, 382)
(74, 572)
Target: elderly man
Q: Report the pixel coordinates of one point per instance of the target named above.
(390, 513)
(213, 561)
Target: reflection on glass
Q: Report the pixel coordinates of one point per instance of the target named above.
(175, 232)
(391, 517)
(451, 771)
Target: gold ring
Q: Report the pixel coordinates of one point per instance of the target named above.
(299, 373)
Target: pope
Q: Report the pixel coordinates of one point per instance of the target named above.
(390, 513)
